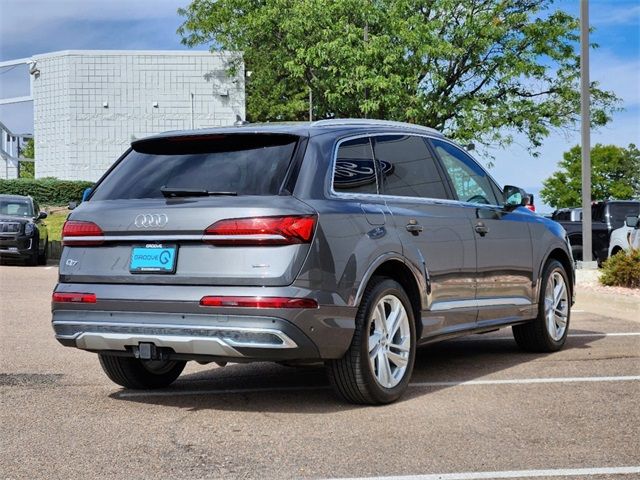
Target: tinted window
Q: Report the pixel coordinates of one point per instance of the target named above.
(355, 170)
(470, 181)
(408, 168)
(245, 164)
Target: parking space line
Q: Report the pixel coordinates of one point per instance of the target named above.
(570, 335)
(560, 472)
(523, 381)
(618, 334)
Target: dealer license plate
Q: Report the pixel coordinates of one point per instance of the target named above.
(153, 258)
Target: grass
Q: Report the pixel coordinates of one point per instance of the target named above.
(55, 220)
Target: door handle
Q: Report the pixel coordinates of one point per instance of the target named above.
(482, 229)
(413, 227)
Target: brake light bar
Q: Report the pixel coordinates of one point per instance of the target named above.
(280, 230)
(73, 297)
(259, 302)
(80, 233)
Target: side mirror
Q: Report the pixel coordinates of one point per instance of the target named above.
(631, 221)
(86, 194)
(72, 205)
(514, 196)
(42, 215)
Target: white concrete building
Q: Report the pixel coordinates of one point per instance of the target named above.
(89, 105)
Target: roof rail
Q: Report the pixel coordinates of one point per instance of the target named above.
(372, 122)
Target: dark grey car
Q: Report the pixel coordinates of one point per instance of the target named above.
(350, 242)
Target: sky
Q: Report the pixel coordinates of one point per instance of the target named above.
(30, 27)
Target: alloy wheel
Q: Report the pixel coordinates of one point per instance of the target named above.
(389, 341)
(556, 306)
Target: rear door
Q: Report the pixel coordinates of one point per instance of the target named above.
(224, 216)
(434, 231)
(502, 237)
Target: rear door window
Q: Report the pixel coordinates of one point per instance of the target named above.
(241, 164)
(355, 170)
(470, 182)
(407, 167)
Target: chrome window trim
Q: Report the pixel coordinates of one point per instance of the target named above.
(377, 196)
(380, 197)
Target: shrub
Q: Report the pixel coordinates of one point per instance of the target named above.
(622, 270)
(46, 191)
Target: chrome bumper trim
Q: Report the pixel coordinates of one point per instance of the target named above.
(187, 339)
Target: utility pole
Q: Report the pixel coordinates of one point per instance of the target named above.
(310, 104)
(366, 40)
(585, 134)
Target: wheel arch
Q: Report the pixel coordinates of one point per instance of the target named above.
(398, 269)
(563, 257)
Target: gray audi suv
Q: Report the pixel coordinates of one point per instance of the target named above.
(348, 242)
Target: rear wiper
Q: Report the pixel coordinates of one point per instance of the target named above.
(192, 192)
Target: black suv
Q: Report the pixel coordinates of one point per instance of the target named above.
(23, 235)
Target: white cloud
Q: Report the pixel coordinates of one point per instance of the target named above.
(606, 15)
(620, 75)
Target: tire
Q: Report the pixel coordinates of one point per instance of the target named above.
(548, 333)
(138, 374)
(42, 257)
(32, 259)
(360, 378)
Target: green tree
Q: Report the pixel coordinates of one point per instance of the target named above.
(615, 173)
(477, 70)
(28, 169)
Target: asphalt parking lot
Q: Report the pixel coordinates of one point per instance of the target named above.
(475, 405)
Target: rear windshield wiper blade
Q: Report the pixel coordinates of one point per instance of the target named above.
(192, 192)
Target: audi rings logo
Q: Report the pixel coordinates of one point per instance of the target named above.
(148, 220)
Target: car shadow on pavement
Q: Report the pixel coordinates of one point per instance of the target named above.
(269, 387)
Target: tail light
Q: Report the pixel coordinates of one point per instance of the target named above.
(286, 230)
(73, 297)
(79, 233)
(259, 302)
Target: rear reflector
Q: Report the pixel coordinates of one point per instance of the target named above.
(259, 302)
(72, 297)
(287, 230)
(81, 233)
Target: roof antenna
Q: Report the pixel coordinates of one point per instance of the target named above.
(239, 122)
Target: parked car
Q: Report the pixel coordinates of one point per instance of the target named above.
(345, 241)
(626, 237)
(530, 202)
(23, 234)
(606, 216)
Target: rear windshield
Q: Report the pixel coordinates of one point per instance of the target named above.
(238, 163)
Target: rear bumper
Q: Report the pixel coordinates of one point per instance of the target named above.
(193, 337)
(185, 330)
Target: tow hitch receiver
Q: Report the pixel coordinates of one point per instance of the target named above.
(148, 351)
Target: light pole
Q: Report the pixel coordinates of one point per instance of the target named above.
(585, 134)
